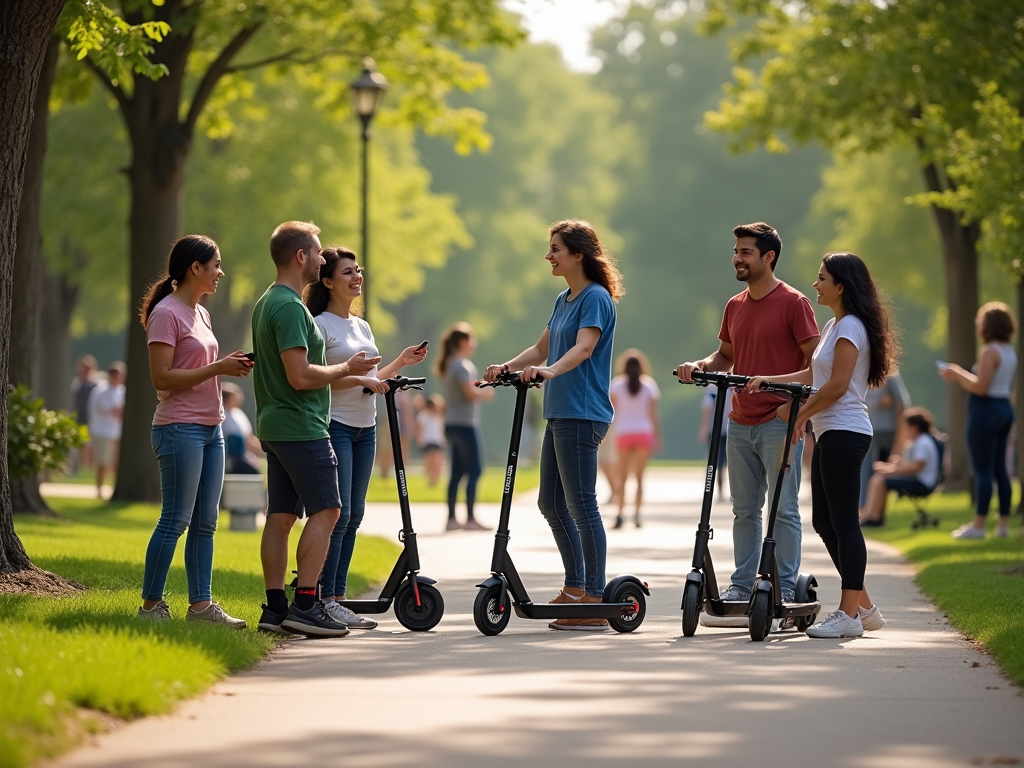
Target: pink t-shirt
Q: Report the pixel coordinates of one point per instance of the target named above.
(173, 322)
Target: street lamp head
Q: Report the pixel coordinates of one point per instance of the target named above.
(367, 90)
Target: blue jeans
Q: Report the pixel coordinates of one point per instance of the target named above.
(568, 499)
(988, 427)
(755, 455)
(191, 459)
(355, 448)
(464, 443)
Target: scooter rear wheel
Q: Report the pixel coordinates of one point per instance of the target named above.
(760, 616)
(627, 592)
(488, 619)
(422, 617)
(691, 607)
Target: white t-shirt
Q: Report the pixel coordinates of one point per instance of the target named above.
(103, 404)
(236, 423)
(849, 412)
(342, 339)
(924, 449)
(708, 402)
(431, 428)
(633, 412)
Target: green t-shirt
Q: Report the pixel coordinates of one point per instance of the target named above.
(281, 321)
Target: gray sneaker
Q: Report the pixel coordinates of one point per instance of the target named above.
(736, 593)
(347, 616)
(214, 614)
(159, 612)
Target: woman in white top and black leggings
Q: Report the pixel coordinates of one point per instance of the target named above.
(989, 414)
(857, 350)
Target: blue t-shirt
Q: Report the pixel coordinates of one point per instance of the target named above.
(582, 393)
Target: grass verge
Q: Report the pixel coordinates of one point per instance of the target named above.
(488, 489)
(979, 585)
(67, 663)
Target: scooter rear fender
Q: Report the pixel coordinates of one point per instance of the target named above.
(626, 578)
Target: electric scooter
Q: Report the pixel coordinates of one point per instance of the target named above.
(624, 603)
(418, 604)
(701, 588)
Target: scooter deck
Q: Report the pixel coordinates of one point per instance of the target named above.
(377, 605)
(716, 607)
(787, 610)
(574, 610)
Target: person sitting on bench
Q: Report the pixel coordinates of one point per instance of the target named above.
(914, 473)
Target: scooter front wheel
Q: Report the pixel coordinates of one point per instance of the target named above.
(760, 615)
(422, 617)
(486, 614)
(627, 592)
(691, 607)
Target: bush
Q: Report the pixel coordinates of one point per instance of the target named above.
(38, 439)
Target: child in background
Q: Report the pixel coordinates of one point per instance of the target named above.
(430, 437)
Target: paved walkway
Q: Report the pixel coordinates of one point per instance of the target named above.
(915, 695)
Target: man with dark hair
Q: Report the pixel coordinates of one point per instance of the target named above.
(292, 383)
(768, 329)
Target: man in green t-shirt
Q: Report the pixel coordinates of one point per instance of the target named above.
(293, 401)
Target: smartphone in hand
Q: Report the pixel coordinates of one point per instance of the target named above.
(251, 356)
(942, 365)
(423, 345)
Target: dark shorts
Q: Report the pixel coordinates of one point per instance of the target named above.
(302, 477)
(430, 447)
(908, 485)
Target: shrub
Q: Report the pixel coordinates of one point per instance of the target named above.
(38, 439)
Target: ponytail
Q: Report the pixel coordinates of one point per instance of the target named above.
(184, 253)
(453, 336)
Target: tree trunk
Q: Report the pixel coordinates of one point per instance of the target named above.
(55, 329)
(960, 258)
(26, 27)
(28, 269)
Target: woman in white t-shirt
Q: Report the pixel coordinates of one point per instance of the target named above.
(353, 414)
(634, 396)
(915, 472)
(857, 349)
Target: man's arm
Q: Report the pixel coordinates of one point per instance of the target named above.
(304, 375)
(807, 347)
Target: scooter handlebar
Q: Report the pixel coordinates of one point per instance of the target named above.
(399, 382)
(709, 378)
(510, 379)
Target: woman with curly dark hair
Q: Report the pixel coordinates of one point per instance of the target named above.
(574, 357)
(857, 350)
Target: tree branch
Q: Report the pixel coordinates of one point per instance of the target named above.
(286, 56)
(214, 73)
(116, 90)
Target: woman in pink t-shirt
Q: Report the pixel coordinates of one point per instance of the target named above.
(186, 436)
(635, 396)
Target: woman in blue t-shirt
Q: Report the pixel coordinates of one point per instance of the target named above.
(574, 355)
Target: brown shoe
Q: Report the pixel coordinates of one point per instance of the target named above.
(569, 595)
(579, 625)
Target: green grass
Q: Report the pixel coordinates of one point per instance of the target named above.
(62, 660)
(488, 489)
(979, 585)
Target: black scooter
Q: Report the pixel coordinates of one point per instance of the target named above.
(418, 604)
(701, 588)
(624, 603)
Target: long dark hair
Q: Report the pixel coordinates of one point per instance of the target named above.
(452, 337)
(598, 265)
(863, 299)
(317, 296)
(184, 253)
(634, 364)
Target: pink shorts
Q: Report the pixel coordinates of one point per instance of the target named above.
(636, 440)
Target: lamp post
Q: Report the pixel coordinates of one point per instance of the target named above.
(366, 93)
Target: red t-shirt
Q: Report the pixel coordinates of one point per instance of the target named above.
(766, 335)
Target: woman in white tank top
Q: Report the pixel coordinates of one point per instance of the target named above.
(989, 414)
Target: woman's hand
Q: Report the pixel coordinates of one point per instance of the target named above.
(374, 384)
(494, 371)
(952, 372)
(413, 355)
(754, 385)
(532, 372)
(235, 364)
(799, 430)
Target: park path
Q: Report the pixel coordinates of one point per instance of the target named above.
(914, 695)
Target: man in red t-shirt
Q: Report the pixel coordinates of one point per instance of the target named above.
(768, 329)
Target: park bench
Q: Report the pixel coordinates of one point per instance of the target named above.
(244, 497)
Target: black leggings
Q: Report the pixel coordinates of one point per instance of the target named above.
(835, 489)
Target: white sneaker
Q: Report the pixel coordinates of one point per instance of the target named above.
(872, 620)
(837, 624)
(968, 532)
(347, 616)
